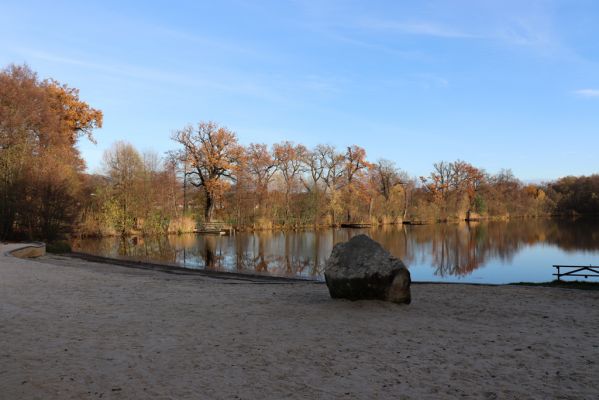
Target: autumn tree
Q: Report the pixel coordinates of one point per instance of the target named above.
(577, 195)
(388, 182)
(289, 159)
(212, 152)
(355, 164)
(40, 124)
(454, 187)
(158, 208)
(333, 170)
(388, 177)
(241, 193)
(466, 179)
(502, 192)
(316, 166)
(124, 167)
(261, 167)
(438, 183)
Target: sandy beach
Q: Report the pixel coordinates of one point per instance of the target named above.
(72, 329)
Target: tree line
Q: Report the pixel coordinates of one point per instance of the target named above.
(210, 176)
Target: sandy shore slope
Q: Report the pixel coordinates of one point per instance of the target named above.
(71, 329)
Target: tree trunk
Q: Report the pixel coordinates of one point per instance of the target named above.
(287, 206)
(208, 207)
(405, 204)
(317, 208)
(349, 202)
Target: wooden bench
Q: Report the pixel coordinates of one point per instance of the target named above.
(577, 270)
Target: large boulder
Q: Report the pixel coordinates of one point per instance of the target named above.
(361, 269)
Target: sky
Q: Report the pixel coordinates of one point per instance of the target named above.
(499, 84)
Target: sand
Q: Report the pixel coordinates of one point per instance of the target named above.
(71, 329)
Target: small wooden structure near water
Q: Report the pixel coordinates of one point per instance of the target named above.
(215, 228)
(356, 225)
(577, 270)
(414, 222)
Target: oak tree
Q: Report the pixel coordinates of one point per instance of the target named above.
(212, 152)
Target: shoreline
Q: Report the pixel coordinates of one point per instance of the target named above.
(310, 227)
(80, 329)
(174, 268)
(224, 274)
(177, 269)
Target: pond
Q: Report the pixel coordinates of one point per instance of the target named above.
(486, 252)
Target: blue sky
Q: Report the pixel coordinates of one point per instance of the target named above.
(500, 84)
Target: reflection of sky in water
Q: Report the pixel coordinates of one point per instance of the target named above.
(494, 252)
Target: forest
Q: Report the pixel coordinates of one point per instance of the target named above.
(208, 176)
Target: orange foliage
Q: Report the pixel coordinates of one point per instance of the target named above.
(212, 152)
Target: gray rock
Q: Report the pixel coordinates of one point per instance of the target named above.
(361, 269)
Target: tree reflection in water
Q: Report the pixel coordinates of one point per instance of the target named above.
(451, 249)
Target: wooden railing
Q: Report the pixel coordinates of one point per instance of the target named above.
(577, 270)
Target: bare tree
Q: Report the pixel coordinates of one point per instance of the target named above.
(124, 166)
(261, 165)
(289, 159)
(355, 162)
(332, 163)
(333, 171)
(387, 176)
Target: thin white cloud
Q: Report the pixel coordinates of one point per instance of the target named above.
(519, 32)
(425, 28)
(532, 27)
(266, 87)
(154, 75)
(423, 81)
(587, 92)
(410, 55)
(523, 33)
(206, 42)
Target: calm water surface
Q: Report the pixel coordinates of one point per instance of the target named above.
(487, 252)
